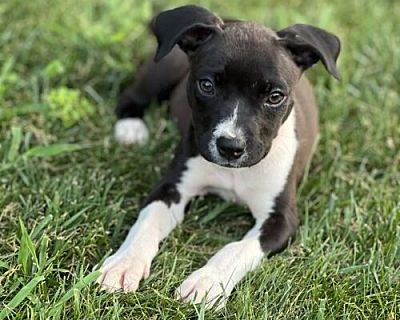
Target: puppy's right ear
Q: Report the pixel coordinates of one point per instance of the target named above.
(308, 45)
(188, 26)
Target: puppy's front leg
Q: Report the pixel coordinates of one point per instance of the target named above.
(215, 281)
(164, 209)
(124, 269)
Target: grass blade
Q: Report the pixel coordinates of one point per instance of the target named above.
(20, 296)
(16, 138)
(43, 224)
(214, 213)
(70, 293)
(52, 150)
(4, 265)
(9, 113)
(27, 249)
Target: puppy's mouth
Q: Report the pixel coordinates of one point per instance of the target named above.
(230, 163)
(234, 164)
(245, 160)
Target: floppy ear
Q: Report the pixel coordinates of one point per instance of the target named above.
(308, 45)
(188, 26)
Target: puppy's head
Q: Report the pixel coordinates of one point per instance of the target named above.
(242, 78)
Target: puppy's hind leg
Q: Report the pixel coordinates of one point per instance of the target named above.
(153, 81)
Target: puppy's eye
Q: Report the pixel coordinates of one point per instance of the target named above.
(274, 99)
(206, 87)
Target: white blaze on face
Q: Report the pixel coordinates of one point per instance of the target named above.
(227, 128)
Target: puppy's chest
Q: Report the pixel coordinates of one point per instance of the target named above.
(240, 188)
(256, 187)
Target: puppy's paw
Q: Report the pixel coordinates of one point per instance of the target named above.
(206, 284)
(123, 271)
(131, 131)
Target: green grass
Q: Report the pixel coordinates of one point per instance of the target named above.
(68, 192)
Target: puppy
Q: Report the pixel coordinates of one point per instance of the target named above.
(248, 121)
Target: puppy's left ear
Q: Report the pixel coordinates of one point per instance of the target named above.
(308, 45)
(188, 26)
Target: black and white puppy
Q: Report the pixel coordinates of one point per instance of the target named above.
(248, 121)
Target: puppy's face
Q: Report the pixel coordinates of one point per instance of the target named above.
(240, 90)
(242, 78)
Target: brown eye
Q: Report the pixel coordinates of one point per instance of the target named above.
(274, 99)
(206, 87)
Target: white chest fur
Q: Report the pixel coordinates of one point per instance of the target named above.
(257, 186)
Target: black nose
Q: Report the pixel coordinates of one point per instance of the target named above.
(230, 149)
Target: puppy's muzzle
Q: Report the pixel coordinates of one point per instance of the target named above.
(230, 148)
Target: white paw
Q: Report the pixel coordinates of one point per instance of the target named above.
(123, 271)
(206, 284)
(131, 131)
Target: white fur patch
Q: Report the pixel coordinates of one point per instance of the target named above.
(228, 129)
(215, 281)
(131, 263)
(131, 131)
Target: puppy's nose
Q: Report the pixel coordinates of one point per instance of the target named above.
(230, 149)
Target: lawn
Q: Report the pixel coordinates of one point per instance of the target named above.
(69, 192)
